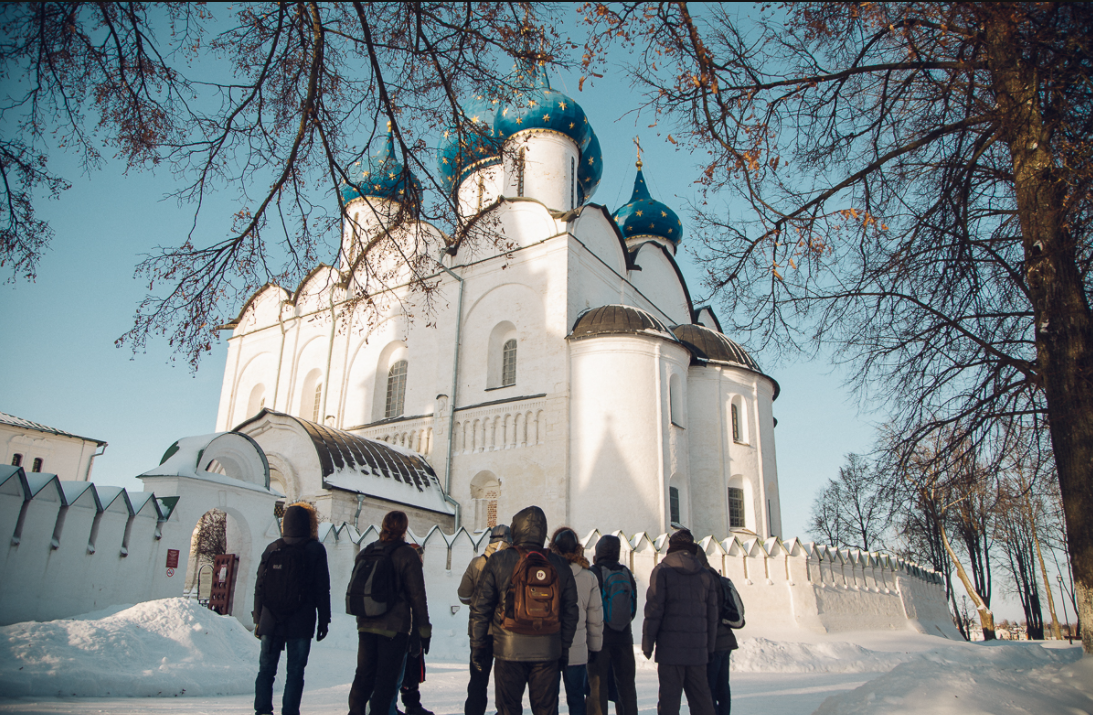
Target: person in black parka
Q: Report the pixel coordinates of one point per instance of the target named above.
(615, 665)
(681, 623)
(531, 661)
(291, 631)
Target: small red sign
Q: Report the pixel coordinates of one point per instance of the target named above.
(172, 558)
(170, 573)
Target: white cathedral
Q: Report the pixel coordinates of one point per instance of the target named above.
(562, 364)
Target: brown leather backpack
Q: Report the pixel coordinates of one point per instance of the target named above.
(534, 604)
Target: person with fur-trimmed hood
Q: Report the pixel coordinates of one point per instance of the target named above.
(681, 614)
(479, 684)
(522, 660)
(291, 595)
(588, 639)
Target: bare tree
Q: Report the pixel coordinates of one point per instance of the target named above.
(854, 510)
(211, 539)
(919, 178)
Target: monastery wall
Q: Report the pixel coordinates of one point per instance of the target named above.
(72, 548)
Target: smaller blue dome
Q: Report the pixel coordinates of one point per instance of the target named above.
(645, 216)
(479, 145)
(382, 176)
(536, 106)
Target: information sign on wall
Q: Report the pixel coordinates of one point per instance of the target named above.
(172, 558)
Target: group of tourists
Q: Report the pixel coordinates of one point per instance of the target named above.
(541, 618)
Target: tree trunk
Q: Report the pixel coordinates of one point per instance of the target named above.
(1043, 571)
(1064, 330)
(986, 617)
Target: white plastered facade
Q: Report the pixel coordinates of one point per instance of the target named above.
(586, 428)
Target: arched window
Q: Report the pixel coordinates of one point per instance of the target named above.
(736, 424)
(37, 465)
(485, 491)
(520, 163)
(317, 403)
(16, 460)
(736, 508)
(673, 505)
(508, 363)
(675, 400)
(396, 390)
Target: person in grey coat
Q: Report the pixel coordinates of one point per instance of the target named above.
(531, 661)
(681, 615)
(479, 684)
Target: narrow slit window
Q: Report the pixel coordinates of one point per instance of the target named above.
(520, 173)
(481, 190)
(396, 389)
(572, 183)
(736, 508)
(37, 465)
(318, 402)
(16, 460)
(508, 363)
(735, 423)
(673, 505)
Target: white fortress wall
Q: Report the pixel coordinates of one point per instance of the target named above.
(49, 570)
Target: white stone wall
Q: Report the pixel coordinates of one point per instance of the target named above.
(69, 456)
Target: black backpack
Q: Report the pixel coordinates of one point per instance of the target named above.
(373, 587)
(619, 599)
(286, 579)
(732, 608)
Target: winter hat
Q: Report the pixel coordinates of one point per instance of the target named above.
(682, 540)
(501, 532)
(296, 522)
(565, 541)
(607, 549)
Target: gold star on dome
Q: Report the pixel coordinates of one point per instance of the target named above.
(493, 101)
(504, 112)
(664, 214)
(445, 136)
(401, 192)
(474, 118)
(357, 164)
(638, 213)
(670, 230)
(531, 102)
(591, 160)
(571, 125)
(365, 175)
(444, 160)
(651, 225)
(375, 187)
(546, 117)
(519, 120)
(561, 104)
(390, 175)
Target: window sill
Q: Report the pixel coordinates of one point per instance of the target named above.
(500, 387)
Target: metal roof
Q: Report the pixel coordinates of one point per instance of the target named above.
(14, 421)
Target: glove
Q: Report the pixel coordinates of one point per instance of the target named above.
(479, 658)
(592, 655)
(563, 662)
(324, 628)
(425, 644)
(648, 653)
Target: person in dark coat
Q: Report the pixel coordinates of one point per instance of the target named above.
(413, 672)
(717, 670)
(616, 661)
(681, 617)
(292, 630)
(478, 686)
(382, 641)
(532, 661)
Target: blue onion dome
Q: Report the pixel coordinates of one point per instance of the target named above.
(591, 169)
(477, 146)
(381, 176)
(645, 216)
(535, 106)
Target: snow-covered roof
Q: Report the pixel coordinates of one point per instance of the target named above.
(12, 420)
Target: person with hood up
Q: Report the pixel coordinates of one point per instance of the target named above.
(681, 617)
(522, 659)
(588, 639)
(478, 687)
(383, 640)
(291, 594)
(616, 659)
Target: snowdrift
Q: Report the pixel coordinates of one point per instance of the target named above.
(157, 648)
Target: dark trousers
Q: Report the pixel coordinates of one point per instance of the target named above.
(268, 656)
(717, 672)
(478, 690)
(575, 679)
(678, 679)
(379, 660)
(412, 676)
(541, 679)
(615, 664)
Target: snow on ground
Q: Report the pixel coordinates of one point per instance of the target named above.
(198, 662)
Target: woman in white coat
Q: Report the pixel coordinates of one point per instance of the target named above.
(589, 636)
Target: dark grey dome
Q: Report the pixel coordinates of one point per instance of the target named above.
(619, 320)
(711, 346)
